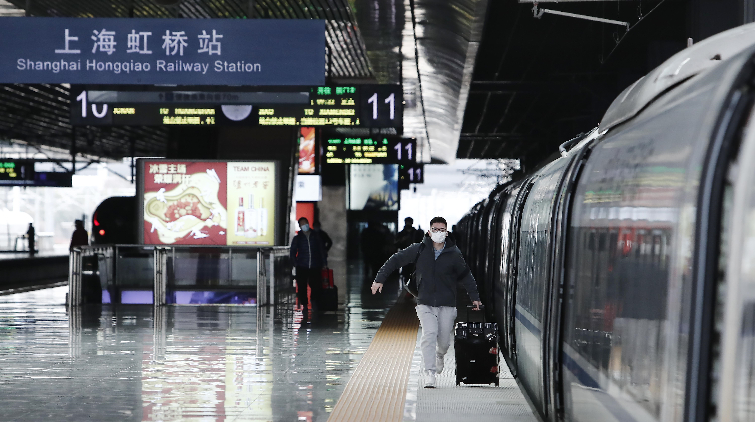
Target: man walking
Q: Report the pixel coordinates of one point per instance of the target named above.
(309, 256)
(439, 267)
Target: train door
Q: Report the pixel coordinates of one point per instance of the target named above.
(560, 226)
(493, 255)
(735, 364)
(505, 286)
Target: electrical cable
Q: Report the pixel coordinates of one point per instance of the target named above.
(618, 42)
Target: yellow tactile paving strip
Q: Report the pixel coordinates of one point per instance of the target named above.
(377, 389)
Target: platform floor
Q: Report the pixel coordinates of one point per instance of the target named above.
(211, 363)
(6, 255)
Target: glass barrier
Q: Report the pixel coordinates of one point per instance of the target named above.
(133, 274)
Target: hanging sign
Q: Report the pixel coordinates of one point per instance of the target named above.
(370, 150)
(410, 173)
(162, 51)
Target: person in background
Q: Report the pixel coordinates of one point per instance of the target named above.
(31, 238)
(408, 235)
(309, 257)
(389, 245)
(326, 240)
(440, 266)
(405, 238)
(80, 236)
(372, 241)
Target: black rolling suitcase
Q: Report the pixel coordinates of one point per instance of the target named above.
(329, 293)
(476, 351)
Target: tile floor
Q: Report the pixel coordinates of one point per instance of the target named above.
(202, 363)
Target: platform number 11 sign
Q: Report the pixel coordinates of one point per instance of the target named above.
(382, 106)
(410, 173)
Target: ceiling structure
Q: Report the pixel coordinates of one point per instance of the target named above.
(429, 46)
(540, 82)
(481, 79)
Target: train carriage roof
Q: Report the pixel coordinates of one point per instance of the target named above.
(680, 67)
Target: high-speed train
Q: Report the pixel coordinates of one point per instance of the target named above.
(622, 274)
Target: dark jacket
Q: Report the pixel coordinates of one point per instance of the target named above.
(80, 237)
(436, 279)
(308, 252)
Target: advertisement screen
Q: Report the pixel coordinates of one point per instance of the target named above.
(208, 202)
(307, 150)
(373, 187)
(308, 188)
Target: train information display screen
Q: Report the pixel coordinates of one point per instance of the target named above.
(343, 106)
(410, 173)
(207, 202)
(369, 150)
(16, 173)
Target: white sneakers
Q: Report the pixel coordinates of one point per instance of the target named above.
(429, 379)
(439, 361)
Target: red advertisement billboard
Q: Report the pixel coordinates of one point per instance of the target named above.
(207, 202)
(307, 150)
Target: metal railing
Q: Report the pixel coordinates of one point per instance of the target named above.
(263, 273)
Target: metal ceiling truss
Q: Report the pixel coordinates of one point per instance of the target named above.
(39, 114)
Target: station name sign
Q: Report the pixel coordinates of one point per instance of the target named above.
(162, 51)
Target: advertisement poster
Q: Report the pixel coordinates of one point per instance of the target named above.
(208, 202)
(373, 187)
(307, 150)
(251, 197)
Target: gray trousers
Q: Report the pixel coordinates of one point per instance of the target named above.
(437, 326)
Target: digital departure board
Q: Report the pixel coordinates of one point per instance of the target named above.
(343, 106)
(410, 173)
(369, 150)
(16, 173)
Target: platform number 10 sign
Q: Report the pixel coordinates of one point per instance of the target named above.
(86, 112)
(382, 106)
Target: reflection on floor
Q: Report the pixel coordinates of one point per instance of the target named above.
(219, 363)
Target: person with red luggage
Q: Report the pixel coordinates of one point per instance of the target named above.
(439, 266)
(309, 258)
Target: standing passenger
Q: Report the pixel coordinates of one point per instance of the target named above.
(408, 235)
(372, 241)
(80, 236)
(439, 267)
(309, 257)
(30, 238)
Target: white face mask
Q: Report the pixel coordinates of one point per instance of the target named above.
(305, 227)
(438, 237)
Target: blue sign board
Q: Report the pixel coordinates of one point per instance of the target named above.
(162, 51)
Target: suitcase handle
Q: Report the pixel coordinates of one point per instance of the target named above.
(471, 307)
